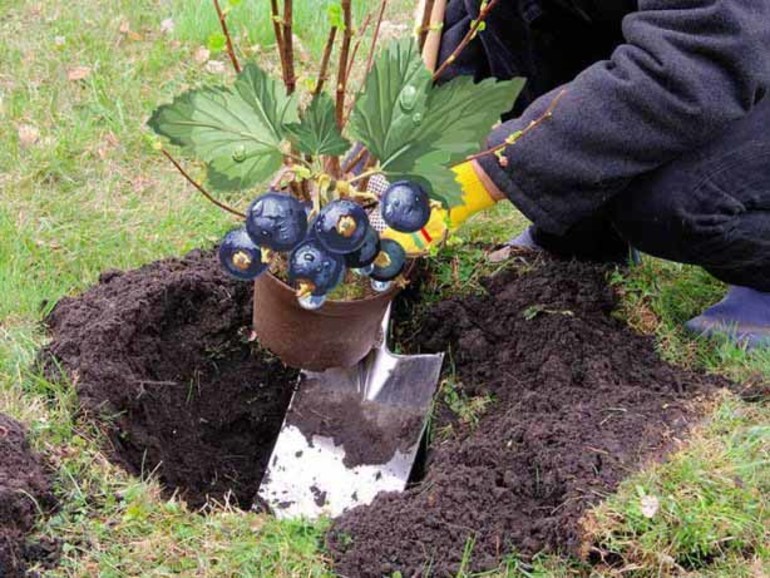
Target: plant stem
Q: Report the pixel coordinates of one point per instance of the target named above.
(424, 24)
(324, 71)
(276, 18)
(375, 37)
(360, 36)
(228, 39)
(288, 46)
(365, 175)
(514, 138)
(293, 156)
(474, 29)
(342, 77)
(357, 158)
(200, 188)
(370, 57)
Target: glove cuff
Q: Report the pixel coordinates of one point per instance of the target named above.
(476, 197)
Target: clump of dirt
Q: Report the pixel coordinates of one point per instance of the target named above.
(162, 354)
(25, 490)
(579, 402)
(370, 432)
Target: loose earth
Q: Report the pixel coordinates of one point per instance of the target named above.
(569, 401)
(25, 486)
(575, 402)
(163, 354)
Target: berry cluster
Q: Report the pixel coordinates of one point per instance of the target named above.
(322, 247)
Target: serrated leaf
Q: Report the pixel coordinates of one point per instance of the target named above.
(459, 116)
(236, 130)
(439, 126)
(317, 133)
(395, 91)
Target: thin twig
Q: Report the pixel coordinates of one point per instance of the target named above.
(514, 138)
(360, 36)
(277, 23)
(276, 18)
(200, 188)
(471, 34)
(323, 73)
(375, 37)
(354, 160)
(422, 32)
(342, 77)
(370, 57)
(288, 46)
(228, 39)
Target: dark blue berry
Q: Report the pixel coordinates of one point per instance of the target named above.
(405, 206)
(390, 262)
(240, 256)
(277, 221)
(311, 264)
(341, 226)
(366, 253)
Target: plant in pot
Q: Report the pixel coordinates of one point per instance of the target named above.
(326, 254)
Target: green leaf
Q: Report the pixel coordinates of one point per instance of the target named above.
(317, 133)
(459, 116)
(395, 91)
(216, 42)
(336, 16)
(237, 131)
(417, 130)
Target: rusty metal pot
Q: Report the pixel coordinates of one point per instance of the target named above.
(339, 334)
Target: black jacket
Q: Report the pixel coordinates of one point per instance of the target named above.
(645, 82)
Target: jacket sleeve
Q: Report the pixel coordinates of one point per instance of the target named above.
(686, 70)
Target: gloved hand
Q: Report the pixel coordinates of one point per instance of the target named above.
(479, 193)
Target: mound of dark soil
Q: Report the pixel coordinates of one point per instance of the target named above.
(25, 489)
(162, 352)
(580, 401)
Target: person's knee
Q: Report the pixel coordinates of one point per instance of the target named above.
(669, 216)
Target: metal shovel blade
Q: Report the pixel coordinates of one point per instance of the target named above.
(350, 434)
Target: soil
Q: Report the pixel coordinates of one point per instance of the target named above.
(579, 402)
(162, 355)
(25, 490)
(370, 432)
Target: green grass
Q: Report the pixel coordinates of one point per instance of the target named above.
(91, 193)
(250, 23)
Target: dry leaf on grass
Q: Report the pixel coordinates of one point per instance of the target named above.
(650, 506)
(125, 30)
(167, 26)
(28, 135)
(201, 55)
(78, 73)
(215, 67)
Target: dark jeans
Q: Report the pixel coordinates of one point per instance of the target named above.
(710, 207)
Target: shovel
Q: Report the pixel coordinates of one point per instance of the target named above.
(351, 433)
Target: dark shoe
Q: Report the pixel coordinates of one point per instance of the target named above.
(743, 316)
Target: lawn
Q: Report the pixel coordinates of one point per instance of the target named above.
(85, 190)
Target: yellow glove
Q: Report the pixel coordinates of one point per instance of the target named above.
(475, 198)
